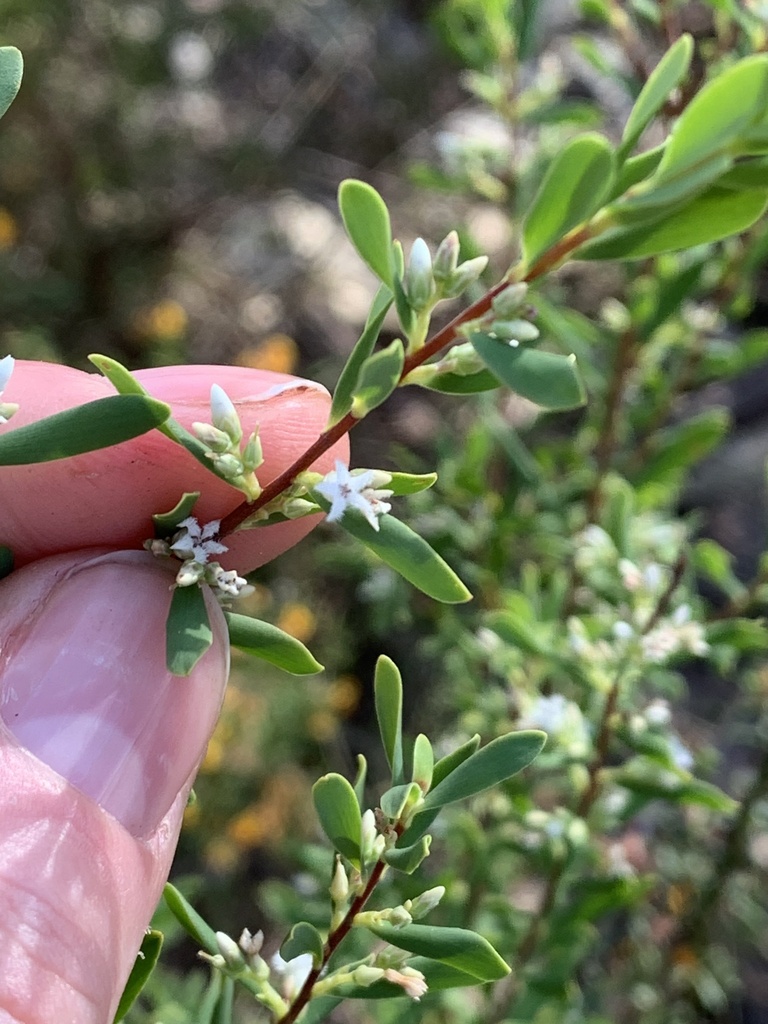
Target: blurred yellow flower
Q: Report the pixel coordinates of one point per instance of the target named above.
(165, 321)
(221, 855)
(214, 755)
(322, 726)
(344, 695)
(298, 620)
(278, 352)
(9, 230)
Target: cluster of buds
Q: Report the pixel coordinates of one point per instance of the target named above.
(243, 959)
(222, 439)
(194, 545)
(507, 319)
(7, 409)
(426, 282)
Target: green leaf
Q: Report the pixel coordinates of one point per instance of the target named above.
(360, 777)
(496, 762)
(636, 169)
(303, 938)
(271, 644)
(647, 204)
(653, 780)
(188, 633)
(546, 378)
(451, 761)
(339, 813)
(405, 313)
(86, 428)
(11, 70)
(679, 447)
(410, 555)
(366, 220)
(348, 378)
(666, 76)
(189, 919)
(716, 564)
(712, 122)
(379, 376)
(388, 697)
(410, 483)
(143, 966)
(516, 632)
(456, 947)
(709, 217)
(576, 184)
(456, 384)
(408, 858)
(394, 801)
(423, 762)
(167, 523)
(6, 561)
(223, 1012)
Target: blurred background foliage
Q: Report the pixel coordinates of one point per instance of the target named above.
(167, 194)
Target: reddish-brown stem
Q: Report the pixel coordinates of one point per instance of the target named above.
(439, 341)
(335, 939)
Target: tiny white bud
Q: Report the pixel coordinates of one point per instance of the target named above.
(446, 258)
(365, 975)
(224, 414)
(217, 440)
(428, 900)
(517, 330)
(465, 275)
(251, 944)
(398, 917)
(189, 574)
(253, 455)
(230, 950)
(418, 281)
(228, 465)
(339, 888)
(6, 369)
(509, 301)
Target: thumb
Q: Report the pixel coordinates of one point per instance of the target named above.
(98, 747)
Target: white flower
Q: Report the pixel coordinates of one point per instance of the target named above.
(360, 491)
(681, 756)
(293, 973)
(658, 713)
(631, 576)
(228, 582)
(195, 543)
(661, 643)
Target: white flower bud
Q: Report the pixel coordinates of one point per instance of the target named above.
(515, 330)
(465, 275)
(217, 440)
(428, 900)
(509, 301)
(230, 950)
(339, 888)
(365, 975)
(418, 282)
(224, 414)
(446, 258)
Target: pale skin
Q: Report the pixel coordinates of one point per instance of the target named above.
(98, 743)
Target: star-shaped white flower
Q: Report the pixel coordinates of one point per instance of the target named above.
(194, 542)
(347, 490)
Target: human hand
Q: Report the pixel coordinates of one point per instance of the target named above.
(99, 744)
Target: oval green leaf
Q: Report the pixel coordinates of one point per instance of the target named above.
(494, 763)
(574, 187)
(86, 428)
(456, 947)
(144, 964)
(410, 555)
(456, 384)
(265, 641)
(303, 938)
(665, 77)
(423, 762)
(546, 378)
(166, 523)
(348, 378)
(366, 220)
(378, 378)
(189, 919)
(394, 801)
(713, 122)
(408, 858)
(188, 633)
(388, 697)
(339, 813)
(715, 214)
(410, 483)
(11, 70)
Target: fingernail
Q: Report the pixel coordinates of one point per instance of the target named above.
(85, 688)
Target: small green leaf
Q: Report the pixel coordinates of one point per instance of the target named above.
(11, 70)
(85, 428)
(451, 761)
(410, 555)
(677, 448)
(546, 378)
(339, 813)
(142, 968)
(6, 561)
(379, 376)
(223, 1012)
(712, 122)
(648, 203)
(366, 220)
(188, 633)
(709, 217)
(423, 762)
(348, 378)
(166, 523)
(636, 169)
(666, 76)
(394, 801)
(457, 947)
(303, 938)
(410, 483)
(388, 696)
(456, 384)
(360, 777)
(408, 858)
(576, 184)
(189, 919)
(271, 644)
(494, 763)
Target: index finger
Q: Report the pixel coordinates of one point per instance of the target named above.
(107, 497)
